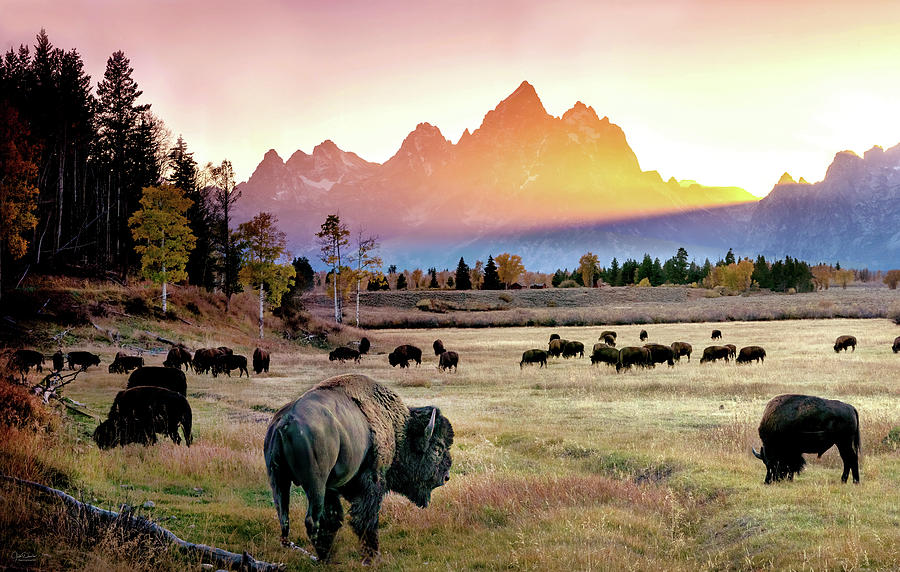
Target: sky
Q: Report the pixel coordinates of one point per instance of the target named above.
(723, 92)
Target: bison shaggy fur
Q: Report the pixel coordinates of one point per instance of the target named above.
(713, 353)
(750, 353)
(682, 349)
(260, 361)
(534, 356)
(448, 359)
(438, 347)
(844, 342)
(556, 347)
(138, 414)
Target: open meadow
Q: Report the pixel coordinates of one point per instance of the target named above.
(567, 467)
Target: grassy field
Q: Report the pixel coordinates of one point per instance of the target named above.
(566, 467)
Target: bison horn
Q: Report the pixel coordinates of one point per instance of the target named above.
(429, 431)
(756, 454)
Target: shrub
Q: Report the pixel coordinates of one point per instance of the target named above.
(644, 283)
(506, 297)
(892, 278)
(568, 284)
(20, 409)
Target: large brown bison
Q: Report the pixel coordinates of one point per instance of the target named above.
(353, 437)
(178, 356)
(716, 335)
(732, 350)
(605, 333)
(448, 359)
(138, 414)
(123, 363)
(896, 346)
(604, 354)
(608, 339)
(23, 360)
(571, 349)
(533, 356)
(713, 353)
(750, 353)
(643, 335)
(83, 360)
(403, 354)
(682, 349)
(844, 342)
(631, 355)
(438, 347)
(660, 353)
(156, 376)
(795, 424)
(556, 347)
(343, 354)
(260, 361)
(205, 359)
(226, 363)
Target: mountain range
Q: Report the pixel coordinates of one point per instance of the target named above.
(552, 188)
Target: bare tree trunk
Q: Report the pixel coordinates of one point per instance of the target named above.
(260, 310)
(60, 197)
(358, 280)
(1, 268)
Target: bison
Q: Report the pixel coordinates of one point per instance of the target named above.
(556, 347)
(629, 356)
(448, 359)
(751, 353)
(353, 437)
(156, 376)
(795, 424)
(660, 353)
(23, 360)
(138, 414)
(178, 356)
(844, 342)
(682, 349)
(554, 337)
(608, 339)
(643, 335)
(403, 354)
(364, 345)
(604, 354)
(260, 361)
(226, 363)
(205, 358)
(713, 353)
(83, 360)
(438, 346)
(59, 361)
(896, 346)
(533, 356)
(343, 354)
(605, 333)
(732, 350)
(716, 335)
(124, 363)
(571, 349)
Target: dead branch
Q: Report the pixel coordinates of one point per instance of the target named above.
(162, 339)
(52, 383)
(137, 526)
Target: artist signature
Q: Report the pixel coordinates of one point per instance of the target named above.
(24, 557)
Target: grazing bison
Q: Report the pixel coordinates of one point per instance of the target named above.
(896, 346)
(178, 356)
(604, 354)
(343, 354)
(83, 360)
(716, 335)
(156, 376)
(608, 339)
(225, 350)
(605, 333)
(629, 356)
(23, 360)
(59, 361)
(533, 356)
(403, 354)
(556, 347)
(751, 353)
(643, 335)
(571, 349)
(682, 349)
(448, 359)
(138, 414)
(260, 361)
(844, 342)
(660, 353)
(438, 346)
(205, 358)
(795, 424)
(226, 363)
(124, 363)
(713, 353)
(732, 350)
(353, 437)
(364, 345)
(554, 337)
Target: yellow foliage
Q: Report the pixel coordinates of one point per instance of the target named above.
(735, 276)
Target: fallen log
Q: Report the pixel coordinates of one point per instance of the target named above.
(138, 526)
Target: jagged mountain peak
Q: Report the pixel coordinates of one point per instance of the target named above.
(522, 109)
(786, 179)
(272, 156)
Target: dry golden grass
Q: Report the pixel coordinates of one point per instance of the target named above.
(566, 467)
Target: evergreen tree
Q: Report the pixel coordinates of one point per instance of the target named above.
(434, 281)
(183, 174)
(656, 273)
(629, 271)
(729, 257)
(761, 273)
(401, 281)
(491, 277)
(645, 270)
(463, 278)
(559, 277)
(704, 272)
(450, 282)
(613, 274)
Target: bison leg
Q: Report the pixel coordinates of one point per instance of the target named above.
(851, 461)
(281, 494)
(364, 508)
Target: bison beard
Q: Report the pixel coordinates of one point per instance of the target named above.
(351, 436)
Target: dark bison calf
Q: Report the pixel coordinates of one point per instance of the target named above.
(716, 335)
(260, 361)
(896, 346)
(124, 363)
(83, 360)
(751, 353)
(23, 360)
(448, 359)
(682, 349)
(660, 353)
(643, 335)
(844, 342)
(533, 356)
(138, 414)
(343, 354)
(156, 376)
(229, 362)
(438, 346)
(402, 355)
(604, 354)
(713, 353)
(796, 424)
(177, 357)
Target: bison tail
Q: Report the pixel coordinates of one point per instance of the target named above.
(857, 447)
